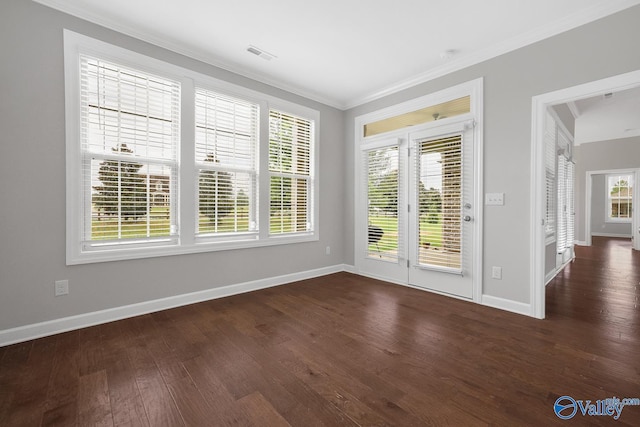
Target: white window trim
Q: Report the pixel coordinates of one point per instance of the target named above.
(77, 44)
(607, 218)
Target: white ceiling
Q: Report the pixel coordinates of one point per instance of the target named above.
(603, 118)
(341, 52)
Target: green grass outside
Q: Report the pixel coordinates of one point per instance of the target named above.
(107, 227)
(429, 233)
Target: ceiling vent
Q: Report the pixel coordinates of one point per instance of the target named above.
(261, 53)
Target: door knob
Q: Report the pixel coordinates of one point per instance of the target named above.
(466, 218)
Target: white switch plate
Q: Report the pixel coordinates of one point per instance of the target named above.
(496, 273)
(494, 199)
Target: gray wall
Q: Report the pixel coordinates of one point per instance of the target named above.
(32, 181)
(32, 187)
(550, 255)
(566, 117)
(595, 156)
(591, 52)
(599, 208)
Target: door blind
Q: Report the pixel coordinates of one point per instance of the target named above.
(439, 194)
(384, 225)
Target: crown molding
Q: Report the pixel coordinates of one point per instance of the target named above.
(554, 28)
(583, 17)
(187, 51)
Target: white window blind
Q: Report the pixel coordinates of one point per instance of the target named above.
(129, 133)
(550, 155)
(439, 181)
(571, 210)
(383, 177)
(564, 191)
(226, 156)
(561, 240)
(290, 173)
(142, 184)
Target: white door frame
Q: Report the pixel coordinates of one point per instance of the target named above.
(635, 221)
(474, 88)
(539, 106)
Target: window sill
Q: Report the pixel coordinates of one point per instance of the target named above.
(121, 254)
(618, 220)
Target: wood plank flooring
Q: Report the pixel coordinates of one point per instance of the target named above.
(343, 350)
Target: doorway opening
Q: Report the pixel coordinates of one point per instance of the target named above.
(540, 106)
(609, 205)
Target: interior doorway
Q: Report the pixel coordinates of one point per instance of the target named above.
(609, 205)
(540, 106)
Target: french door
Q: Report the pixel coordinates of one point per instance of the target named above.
(416, 207)
(442, 209)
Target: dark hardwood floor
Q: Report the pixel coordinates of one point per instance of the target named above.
(344, 350)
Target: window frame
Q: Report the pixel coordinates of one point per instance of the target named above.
(187, 178)
(309, 177)
(252, 171)
(90, 154)
(608, 200)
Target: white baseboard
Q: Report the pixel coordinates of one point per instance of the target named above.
(580, 242)
(624, 236)
(507, 305)
(550, 276)
(376, 276)
(38, 330)
(349, 268)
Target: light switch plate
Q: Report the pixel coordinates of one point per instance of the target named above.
(494, 199)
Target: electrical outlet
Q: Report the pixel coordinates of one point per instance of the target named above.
(327, 250)
(496, 273)
(61, 287)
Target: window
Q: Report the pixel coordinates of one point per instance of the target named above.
(383, 200)
(559, 182)
(226, 145)
(290, 173)
(550, 156)
(162, 160)
(129, 140)
(619, 198)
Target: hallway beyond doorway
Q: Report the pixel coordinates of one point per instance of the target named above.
(600, 287)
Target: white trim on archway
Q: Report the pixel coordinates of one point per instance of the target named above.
(539, 106)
